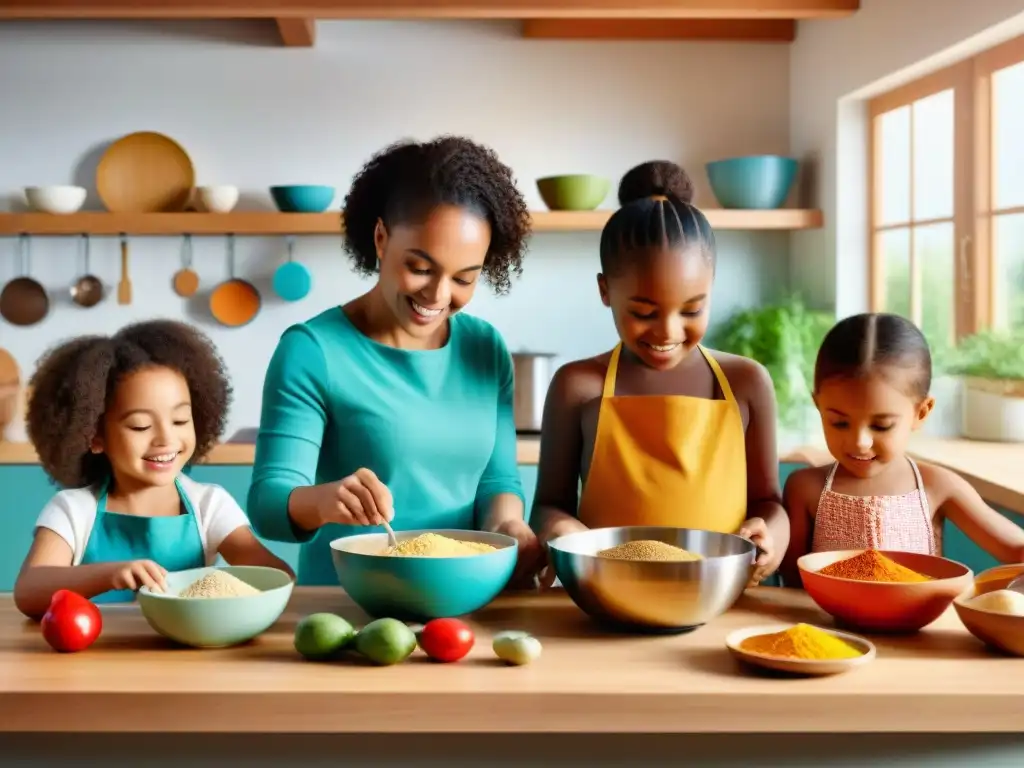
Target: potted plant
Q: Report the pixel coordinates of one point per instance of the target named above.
(784, 338)
(992, 366)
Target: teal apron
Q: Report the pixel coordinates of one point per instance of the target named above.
(172, 542)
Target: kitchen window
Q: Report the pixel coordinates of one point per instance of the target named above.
(946, 207)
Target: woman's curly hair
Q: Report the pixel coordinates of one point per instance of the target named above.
(76, 380)
(405, 181)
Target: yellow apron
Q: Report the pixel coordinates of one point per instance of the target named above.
(667, 460)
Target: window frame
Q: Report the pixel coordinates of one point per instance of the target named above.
(974, 177)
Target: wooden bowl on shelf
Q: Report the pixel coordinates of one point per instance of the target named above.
(885, 607)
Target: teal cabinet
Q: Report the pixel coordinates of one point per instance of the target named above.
(24, 489)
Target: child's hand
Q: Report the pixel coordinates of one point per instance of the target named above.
(756, 529)
(139, 573)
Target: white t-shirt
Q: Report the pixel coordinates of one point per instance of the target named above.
(71, 514)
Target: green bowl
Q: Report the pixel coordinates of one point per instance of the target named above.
(205, 622)
(422, 588)
(574, 192)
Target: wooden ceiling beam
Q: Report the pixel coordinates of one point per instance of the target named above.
(745, 30)
(297, 33)
(427, 9)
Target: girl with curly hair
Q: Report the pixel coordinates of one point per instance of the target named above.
(115, 419)
(398, 406)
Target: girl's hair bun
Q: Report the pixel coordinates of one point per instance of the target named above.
(653, 179)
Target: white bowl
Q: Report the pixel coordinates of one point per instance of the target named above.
(220, 198)
(55, 198)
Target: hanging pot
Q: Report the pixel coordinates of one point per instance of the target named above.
(87, 290)
(186, 280)
(291, 280)
(24, 301)
(235, 302)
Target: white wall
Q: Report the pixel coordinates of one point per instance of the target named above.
(833, 67)
(254, 114)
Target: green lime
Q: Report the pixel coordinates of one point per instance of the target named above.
(322, 635)
(386, 641)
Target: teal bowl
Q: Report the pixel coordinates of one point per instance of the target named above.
(757, 182)
(573, 192)
(208, 622)
(302, 198)
(422, 588)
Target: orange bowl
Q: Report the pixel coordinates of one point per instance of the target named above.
(885, 607)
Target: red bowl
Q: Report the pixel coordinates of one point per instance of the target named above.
(885, 607)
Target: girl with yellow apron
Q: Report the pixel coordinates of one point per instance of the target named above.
(660, 459)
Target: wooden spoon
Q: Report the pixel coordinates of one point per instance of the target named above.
(124, 288)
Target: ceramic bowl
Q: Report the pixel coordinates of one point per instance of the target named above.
(799, 666)
(422, 588)
(217, 622)
(653, 596)
(573, 192)
(220, 198)
(755, 182)
(1004, 633)
(55, 199)
(884, 607)
(302, 198)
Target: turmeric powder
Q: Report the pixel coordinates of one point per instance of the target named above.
(871, 565)
(801, 641)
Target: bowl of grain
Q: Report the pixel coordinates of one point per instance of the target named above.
(218, 606)
(653, 579)
(883, 591)
(993, 613)
(429, 575)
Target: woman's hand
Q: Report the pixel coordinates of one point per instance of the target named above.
(563, 526)
(531, 556)
(756, 529)
(359, 499)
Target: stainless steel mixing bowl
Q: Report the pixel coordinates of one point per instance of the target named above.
(653, 596)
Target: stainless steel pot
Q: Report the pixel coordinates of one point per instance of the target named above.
(533, 371)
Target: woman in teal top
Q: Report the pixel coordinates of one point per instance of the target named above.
(393, 406)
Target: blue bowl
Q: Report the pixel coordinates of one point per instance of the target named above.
(302, 198)
(422, 588)
(207, 622)
(755, 182)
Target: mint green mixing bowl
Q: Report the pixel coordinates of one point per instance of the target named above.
(422, 588)
(217, 622)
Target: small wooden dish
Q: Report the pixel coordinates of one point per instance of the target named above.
(810, 667)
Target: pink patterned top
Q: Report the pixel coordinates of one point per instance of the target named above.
(902, 523)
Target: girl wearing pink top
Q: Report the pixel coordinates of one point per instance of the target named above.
(871, 387)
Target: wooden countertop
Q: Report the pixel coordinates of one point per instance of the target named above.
(585, 681)
(995, 469)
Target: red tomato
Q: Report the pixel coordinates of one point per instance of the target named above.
(71, 623)
(446, 639)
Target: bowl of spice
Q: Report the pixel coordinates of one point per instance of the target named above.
(653, 578)
(800, 649)
(427, 574)
(218, 606)
(993, 613)
(883, 591)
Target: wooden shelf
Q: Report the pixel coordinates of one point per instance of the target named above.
(427, 9)
(268, 223)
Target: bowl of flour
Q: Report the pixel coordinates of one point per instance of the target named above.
(218, 606)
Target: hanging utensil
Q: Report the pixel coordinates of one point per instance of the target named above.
(87, 290)
(124, 288)
(186, 279)
(291, 280)
(234, 302)
(24, 301)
